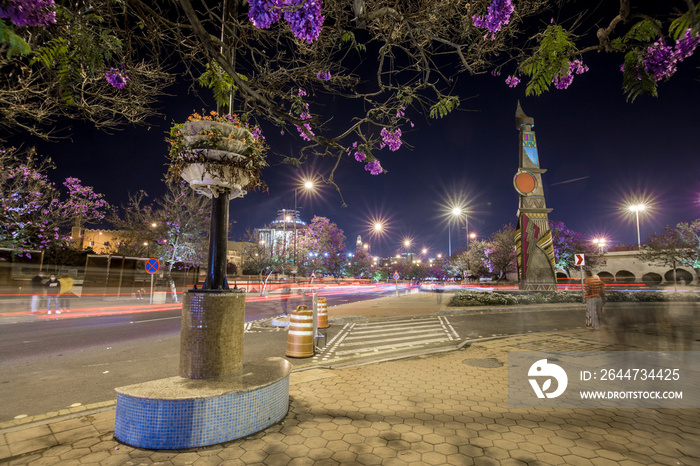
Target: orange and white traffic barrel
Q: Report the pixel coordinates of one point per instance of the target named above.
(322, 308)
(300, 337)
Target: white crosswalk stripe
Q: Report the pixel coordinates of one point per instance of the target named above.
(372, 337)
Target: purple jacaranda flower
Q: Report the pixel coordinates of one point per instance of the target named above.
(374, 167)
(116, 78)
(512, 81)
(497, 14)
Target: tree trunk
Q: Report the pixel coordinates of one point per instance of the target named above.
(262, 290)
(173, 287)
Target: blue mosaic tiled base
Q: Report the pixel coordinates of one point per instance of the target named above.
(161, 423)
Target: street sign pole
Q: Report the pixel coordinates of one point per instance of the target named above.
(152, 280)
(152, 266)
(315, 315)
(581, 261)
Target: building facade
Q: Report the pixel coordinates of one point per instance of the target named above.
(279, 236)
(101, 241)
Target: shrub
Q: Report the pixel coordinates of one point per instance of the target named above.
(483, 298)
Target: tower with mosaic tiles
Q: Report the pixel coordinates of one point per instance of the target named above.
(533, 238)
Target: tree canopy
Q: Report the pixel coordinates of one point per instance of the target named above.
(34, 213)
(290, 63)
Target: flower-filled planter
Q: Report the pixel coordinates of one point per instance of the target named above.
(215, 153)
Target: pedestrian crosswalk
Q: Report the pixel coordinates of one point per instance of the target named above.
(359, 339)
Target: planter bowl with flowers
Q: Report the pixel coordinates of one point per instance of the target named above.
(216, 153)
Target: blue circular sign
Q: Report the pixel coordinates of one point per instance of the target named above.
(396, 275)
(152, 266)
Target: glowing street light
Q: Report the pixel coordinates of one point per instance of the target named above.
(601, 243)
(308, 186)
(636, 208)
(376, 227)
(456, 212)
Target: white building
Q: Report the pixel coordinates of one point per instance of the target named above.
(280, 234)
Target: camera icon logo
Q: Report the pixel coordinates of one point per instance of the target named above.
(542, 368)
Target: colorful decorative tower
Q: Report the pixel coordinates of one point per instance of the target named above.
(533, 238)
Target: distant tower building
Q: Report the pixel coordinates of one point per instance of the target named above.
(533, 238)
(358, 243)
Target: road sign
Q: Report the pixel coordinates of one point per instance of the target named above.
(579, 259)
(396, 275)
(313, 274)
(152, 266)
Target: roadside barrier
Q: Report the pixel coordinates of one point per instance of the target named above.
(322, 313)
(300, 337)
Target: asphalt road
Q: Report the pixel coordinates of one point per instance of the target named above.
(48, 365)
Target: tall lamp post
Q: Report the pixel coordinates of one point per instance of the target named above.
(308, 185)
(456, 212)
(636, 209)
(284, 235)
(377, 230)
(407, 245)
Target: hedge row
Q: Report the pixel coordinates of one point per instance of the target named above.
(480, 298)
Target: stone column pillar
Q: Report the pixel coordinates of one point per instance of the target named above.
(211, 333)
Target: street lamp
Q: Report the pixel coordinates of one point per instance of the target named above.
(407, 245)
(284, 237)
(636, 208)
(309, 186)
(601, 242)
(377, 228)
(456, 212)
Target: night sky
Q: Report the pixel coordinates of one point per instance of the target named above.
(599, 151)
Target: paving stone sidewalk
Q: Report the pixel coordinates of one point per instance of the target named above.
(432, 409)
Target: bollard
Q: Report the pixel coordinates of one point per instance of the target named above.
(322, 313)
(300, 337)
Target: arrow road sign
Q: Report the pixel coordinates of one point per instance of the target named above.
(152, 266)
(579, 259)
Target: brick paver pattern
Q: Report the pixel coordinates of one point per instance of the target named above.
(428, 410)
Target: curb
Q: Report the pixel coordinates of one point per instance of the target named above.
(64, 414)
(514, 308)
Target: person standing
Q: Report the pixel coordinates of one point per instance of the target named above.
(439, 289)
(594, 291)
(37, 291)
(66, 291)
(284, 298)
(53, 288)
